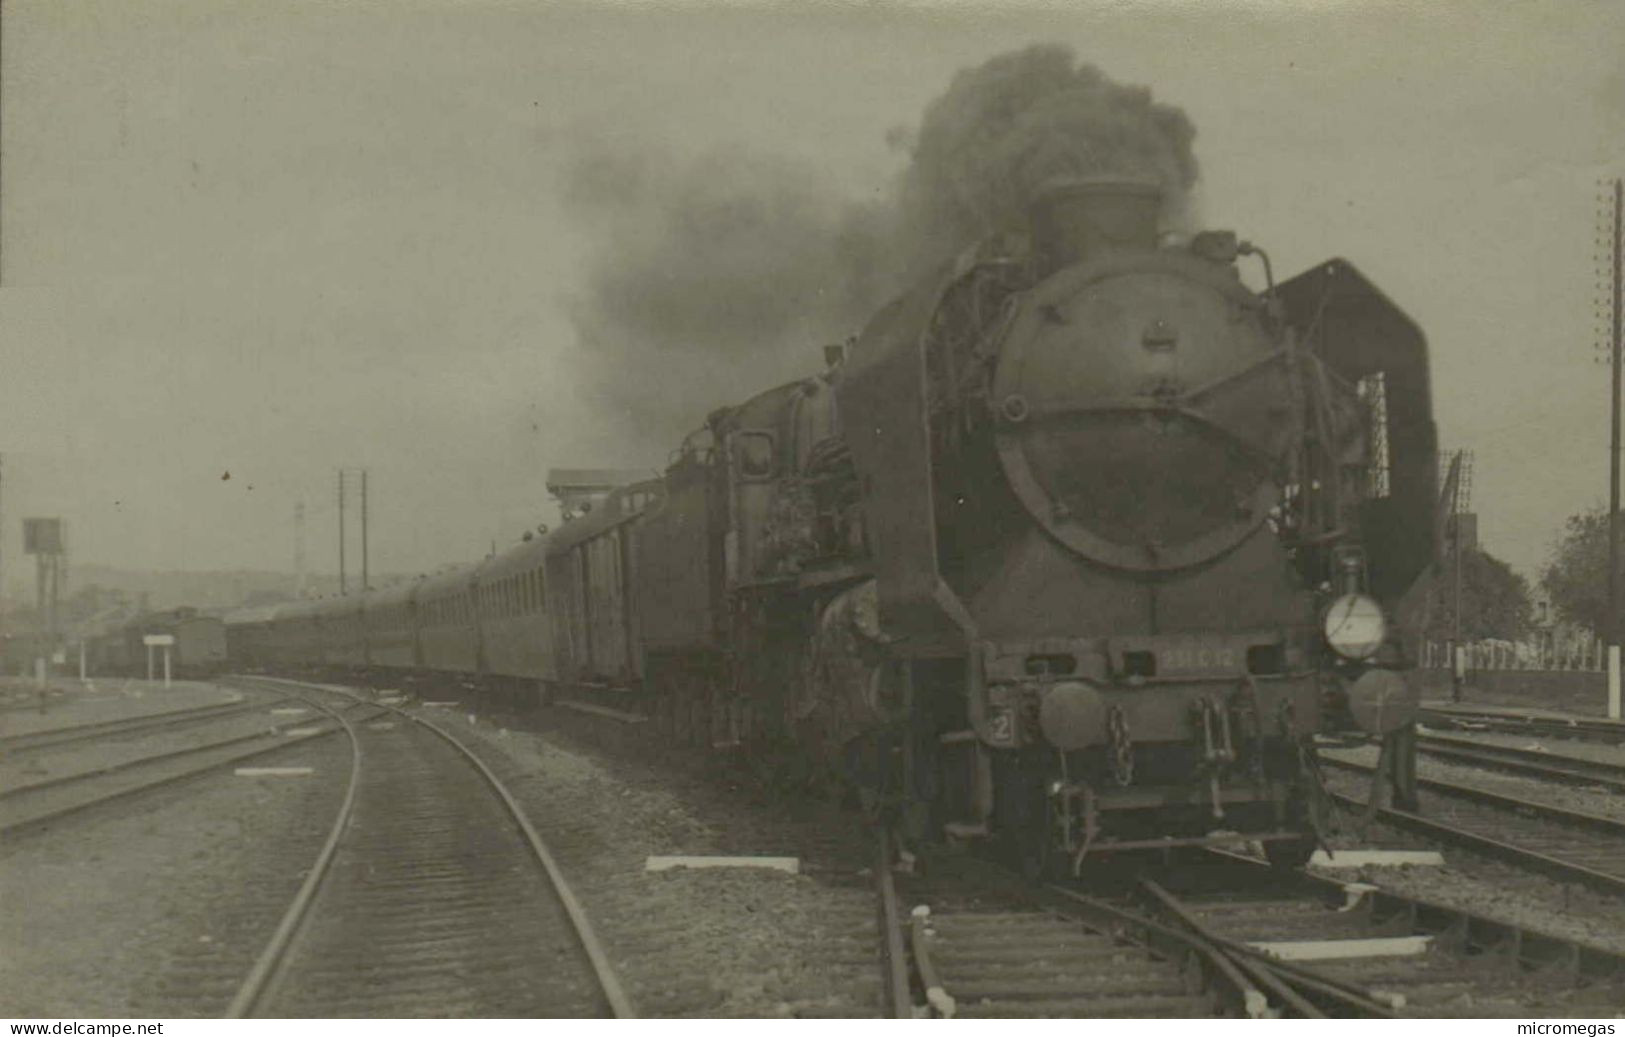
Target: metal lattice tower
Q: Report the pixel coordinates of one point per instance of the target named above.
(1464, 485)
(1373, 390)
(345, 492)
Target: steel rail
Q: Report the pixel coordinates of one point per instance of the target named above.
(898, 1003)
(142, 761)
(1286, 980)
(1261, 975)
(1547, 811)
(936, 992)
(27, 823)
(51, 737)
(1532, 860)
(1158, 938)
(620, 1004)
(1512, 722)
(1227, 984)
(1471, 934)
(266, 965)
(1550, 766)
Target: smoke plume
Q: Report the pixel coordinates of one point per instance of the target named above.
(1008, 127)
(712, 278)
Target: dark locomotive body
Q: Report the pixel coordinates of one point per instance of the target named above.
(1112, 494)
(1077, 547)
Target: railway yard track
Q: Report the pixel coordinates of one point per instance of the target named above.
(1351, 949)
(983, 945)
(147, 724)
(126, 768)
(432, 895)
(1563, 844)
(1227, 936)
(1547, 766)
(428, 891)
(1522, 722)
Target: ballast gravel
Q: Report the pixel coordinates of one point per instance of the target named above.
(727, 942)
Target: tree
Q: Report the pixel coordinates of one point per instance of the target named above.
(1494, 600)
(1576, 578)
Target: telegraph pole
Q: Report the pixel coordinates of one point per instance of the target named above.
(2, 569)
(1463, 470)
(365, 585)
(299, 549)
(342, 588)
(1613, 632)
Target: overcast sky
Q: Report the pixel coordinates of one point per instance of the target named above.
(272, 238)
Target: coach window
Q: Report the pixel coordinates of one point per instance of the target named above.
(753, 453)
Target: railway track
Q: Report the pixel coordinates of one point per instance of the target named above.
(1557, 767)
(1563, 844)
(897, 1004)
(1351, 950)
(150, 723)
(1510, 721)
(37, 804)
(984, 943)
(1219, 935)
(432, 895)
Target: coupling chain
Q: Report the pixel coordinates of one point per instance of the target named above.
(1122, 749)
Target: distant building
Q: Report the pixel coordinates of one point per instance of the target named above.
(578, 489)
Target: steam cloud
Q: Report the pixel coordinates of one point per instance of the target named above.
(711, 279)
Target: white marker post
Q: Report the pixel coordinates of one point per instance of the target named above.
(164, 641)
(1613, 682)
(1458, 672)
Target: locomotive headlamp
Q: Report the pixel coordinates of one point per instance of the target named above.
(1354, 626)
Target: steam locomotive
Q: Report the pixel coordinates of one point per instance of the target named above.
(1076, 549)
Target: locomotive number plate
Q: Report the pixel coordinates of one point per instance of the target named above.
(1175, 657)
(1192, 657)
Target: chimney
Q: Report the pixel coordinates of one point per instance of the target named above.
(1075, 220)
